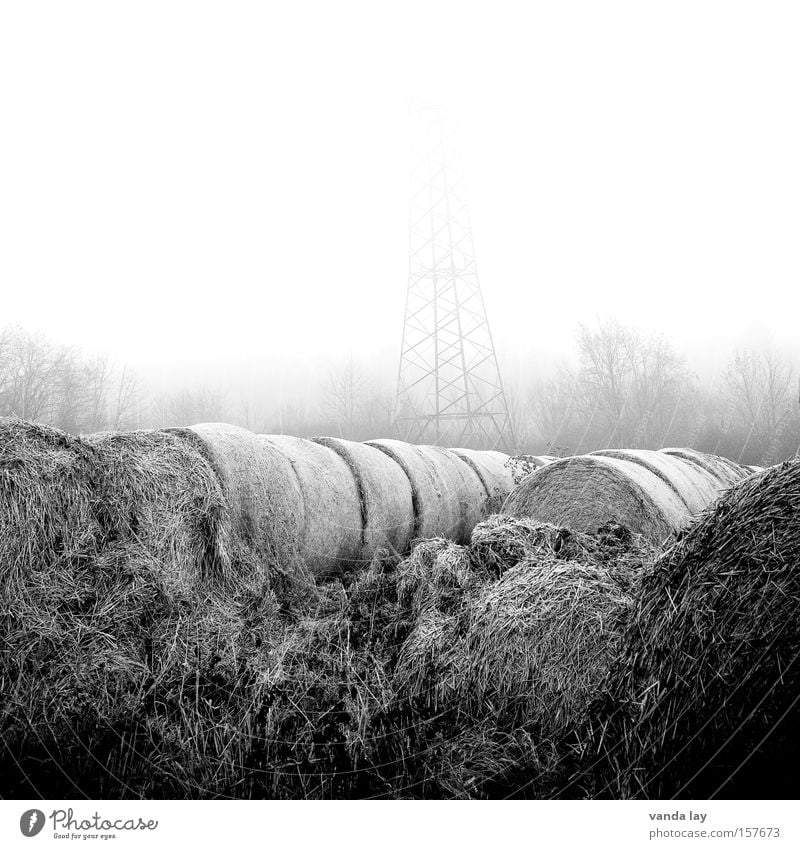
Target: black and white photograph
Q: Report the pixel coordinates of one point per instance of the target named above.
(400, 402)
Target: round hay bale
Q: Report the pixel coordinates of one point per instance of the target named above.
(385, 493)
(121, 612)
(711, 667)
(493, 470)
(64, 499)
(158, 490)
(265, 501)
(694, 485)
(462, 487)
(501, 542)
(436, 574)
(47, 499)
(586, 492)
(722, 468)
(538, 645)
(522, 657)
(448, 496)
(332, 531)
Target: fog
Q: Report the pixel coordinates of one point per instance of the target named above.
(217, 195)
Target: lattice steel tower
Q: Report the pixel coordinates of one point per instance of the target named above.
(449, 389)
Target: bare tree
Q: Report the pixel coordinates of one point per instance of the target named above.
(31, 372)
(761, 387)
(189, 407)
(346, 396)
(126, 400)
(631, 385)
(554, 407)
(68, 393)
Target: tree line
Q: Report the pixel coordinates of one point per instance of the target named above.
(623, 389)
(634, 390)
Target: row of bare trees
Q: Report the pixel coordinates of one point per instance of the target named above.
(625, 389)
(45, 381)
(633, 390)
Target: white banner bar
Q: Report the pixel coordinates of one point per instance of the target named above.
(412, 825)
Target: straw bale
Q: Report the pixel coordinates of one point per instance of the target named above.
(722, 468)
(538, 644)
(119, 583)
(385, 493)
(265, 503)
(694, 485)
(493, 470)
(331, 538)
(462, 487)
(448, 497)
(584, 493)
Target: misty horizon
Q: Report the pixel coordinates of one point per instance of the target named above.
(179, 212)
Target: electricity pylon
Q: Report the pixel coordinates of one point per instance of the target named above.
(449, 389)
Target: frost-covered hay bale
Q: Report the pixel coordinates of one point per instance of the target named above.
(264, 498)
(385, 492)
(64, 499)
(501, 542)
(694, 485)
(158, 490)
(711, 671)
(539, 643)
(493, 470)
(47, 499)
(115, 552)
(431, 586)
(530, 651)
(448, 496)
(331, 538)
(434, 575)
(462, 487)
(583, 493)
(722, 468)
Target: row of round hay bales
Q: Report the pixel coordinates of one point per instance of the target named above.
(654, 493)
(448, 495)
(222, 500)
(328, 504)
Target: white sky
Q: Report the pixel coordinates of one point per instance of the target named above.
(194, 183)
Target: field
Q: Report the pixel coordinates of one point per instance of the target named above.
(177, 624)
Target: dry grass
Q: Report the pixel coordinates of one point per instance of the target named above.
(521, 465)
(123, 609)
(503, 660)
(705, 699)
(146, 653)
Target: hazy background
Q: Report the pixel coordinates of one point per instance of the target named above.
(215, 195)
